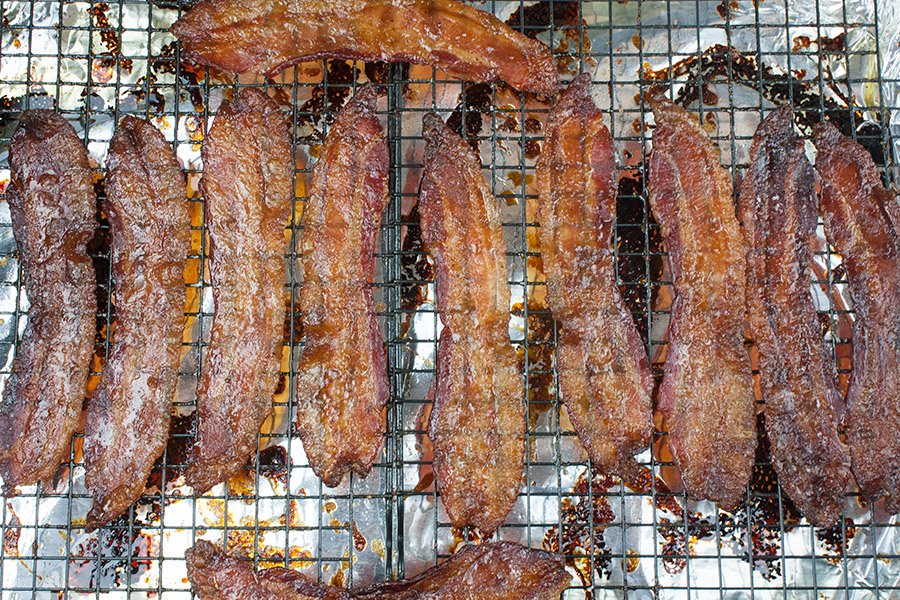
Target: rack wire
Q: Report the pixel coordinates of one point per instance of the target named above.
(728, 61)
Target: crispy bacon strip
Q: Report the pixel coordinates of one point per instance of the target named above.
(604, 372)
(496, 571)
(53, 208)
(478, 422)
(247, 183)
(127, 423)
(342, 386)
(797, 376)
(857, 210)
(267, 36)
(706, 395)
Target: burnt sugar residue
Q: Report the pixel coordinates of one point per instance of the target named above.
(120, 552)
(416, 271)
(539, 351)
(103, 69)
(546, 14)
(190, 77)
(325, 100)
(761, 514)
(475, 100)
(719, 62)
(583, 519)
(678, 535)
(182, 431)
(637, 267)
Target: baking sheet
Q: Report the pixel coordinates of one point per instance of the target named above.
(97, 61)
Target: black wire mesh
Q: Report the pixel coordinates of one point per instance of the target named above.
(728, 61)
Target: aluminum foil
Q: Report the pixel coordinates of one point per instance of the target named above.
(98, 61)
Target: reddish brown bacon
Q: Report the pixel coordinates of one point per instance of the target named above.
(127, 423)
(706, 395)
(857, 210)
(342, 385)
(53, 209)
(267, 36)
(247, 184)
(478, 421)
(604, 372)
(498, 571)
(797, 377)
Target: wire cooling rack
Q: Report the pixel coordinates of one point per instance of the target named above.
(728, 61)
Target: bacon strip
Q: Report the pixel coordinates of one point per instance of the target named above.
(268, 36)
(497, 571)
(857, 211)
(342, 386)
(127, 423)
(478, 421)
(53, 208)
(247, 183)
(797, 376)
(706, 395)
(604, 372)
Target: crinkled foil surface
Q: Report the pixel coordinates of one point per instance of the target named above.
(729, 61)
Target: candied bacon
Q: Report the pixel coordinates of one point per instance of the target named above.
(248, 186)
(53, 209)
(267, 36)
(604, 372)
(706, 396)
(342, 385)
(477, 424)
(797, 376)
(127, 423)
(860, 220)
(493, 571)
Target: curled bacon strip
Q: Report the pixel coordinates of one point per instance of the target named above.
(478, 421)
(127, 423)
(858, 221)
(53, 208)
(267, 36)
(497, 571)
(248, 187)
(342, 385)
(604, 372)
(797, 376)
(706, 395)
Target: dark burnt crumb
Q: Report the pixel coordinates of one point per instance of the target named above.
(540, 357)
(545, 15)
(274, 463)
(762, 515)
(415, 268)
(341, 75)
(585, 510)
(182, 431)
(719, 61)
(475, 100)
(824, 322)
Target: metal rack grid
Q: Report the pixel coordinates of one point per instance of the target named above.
(97, 61)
